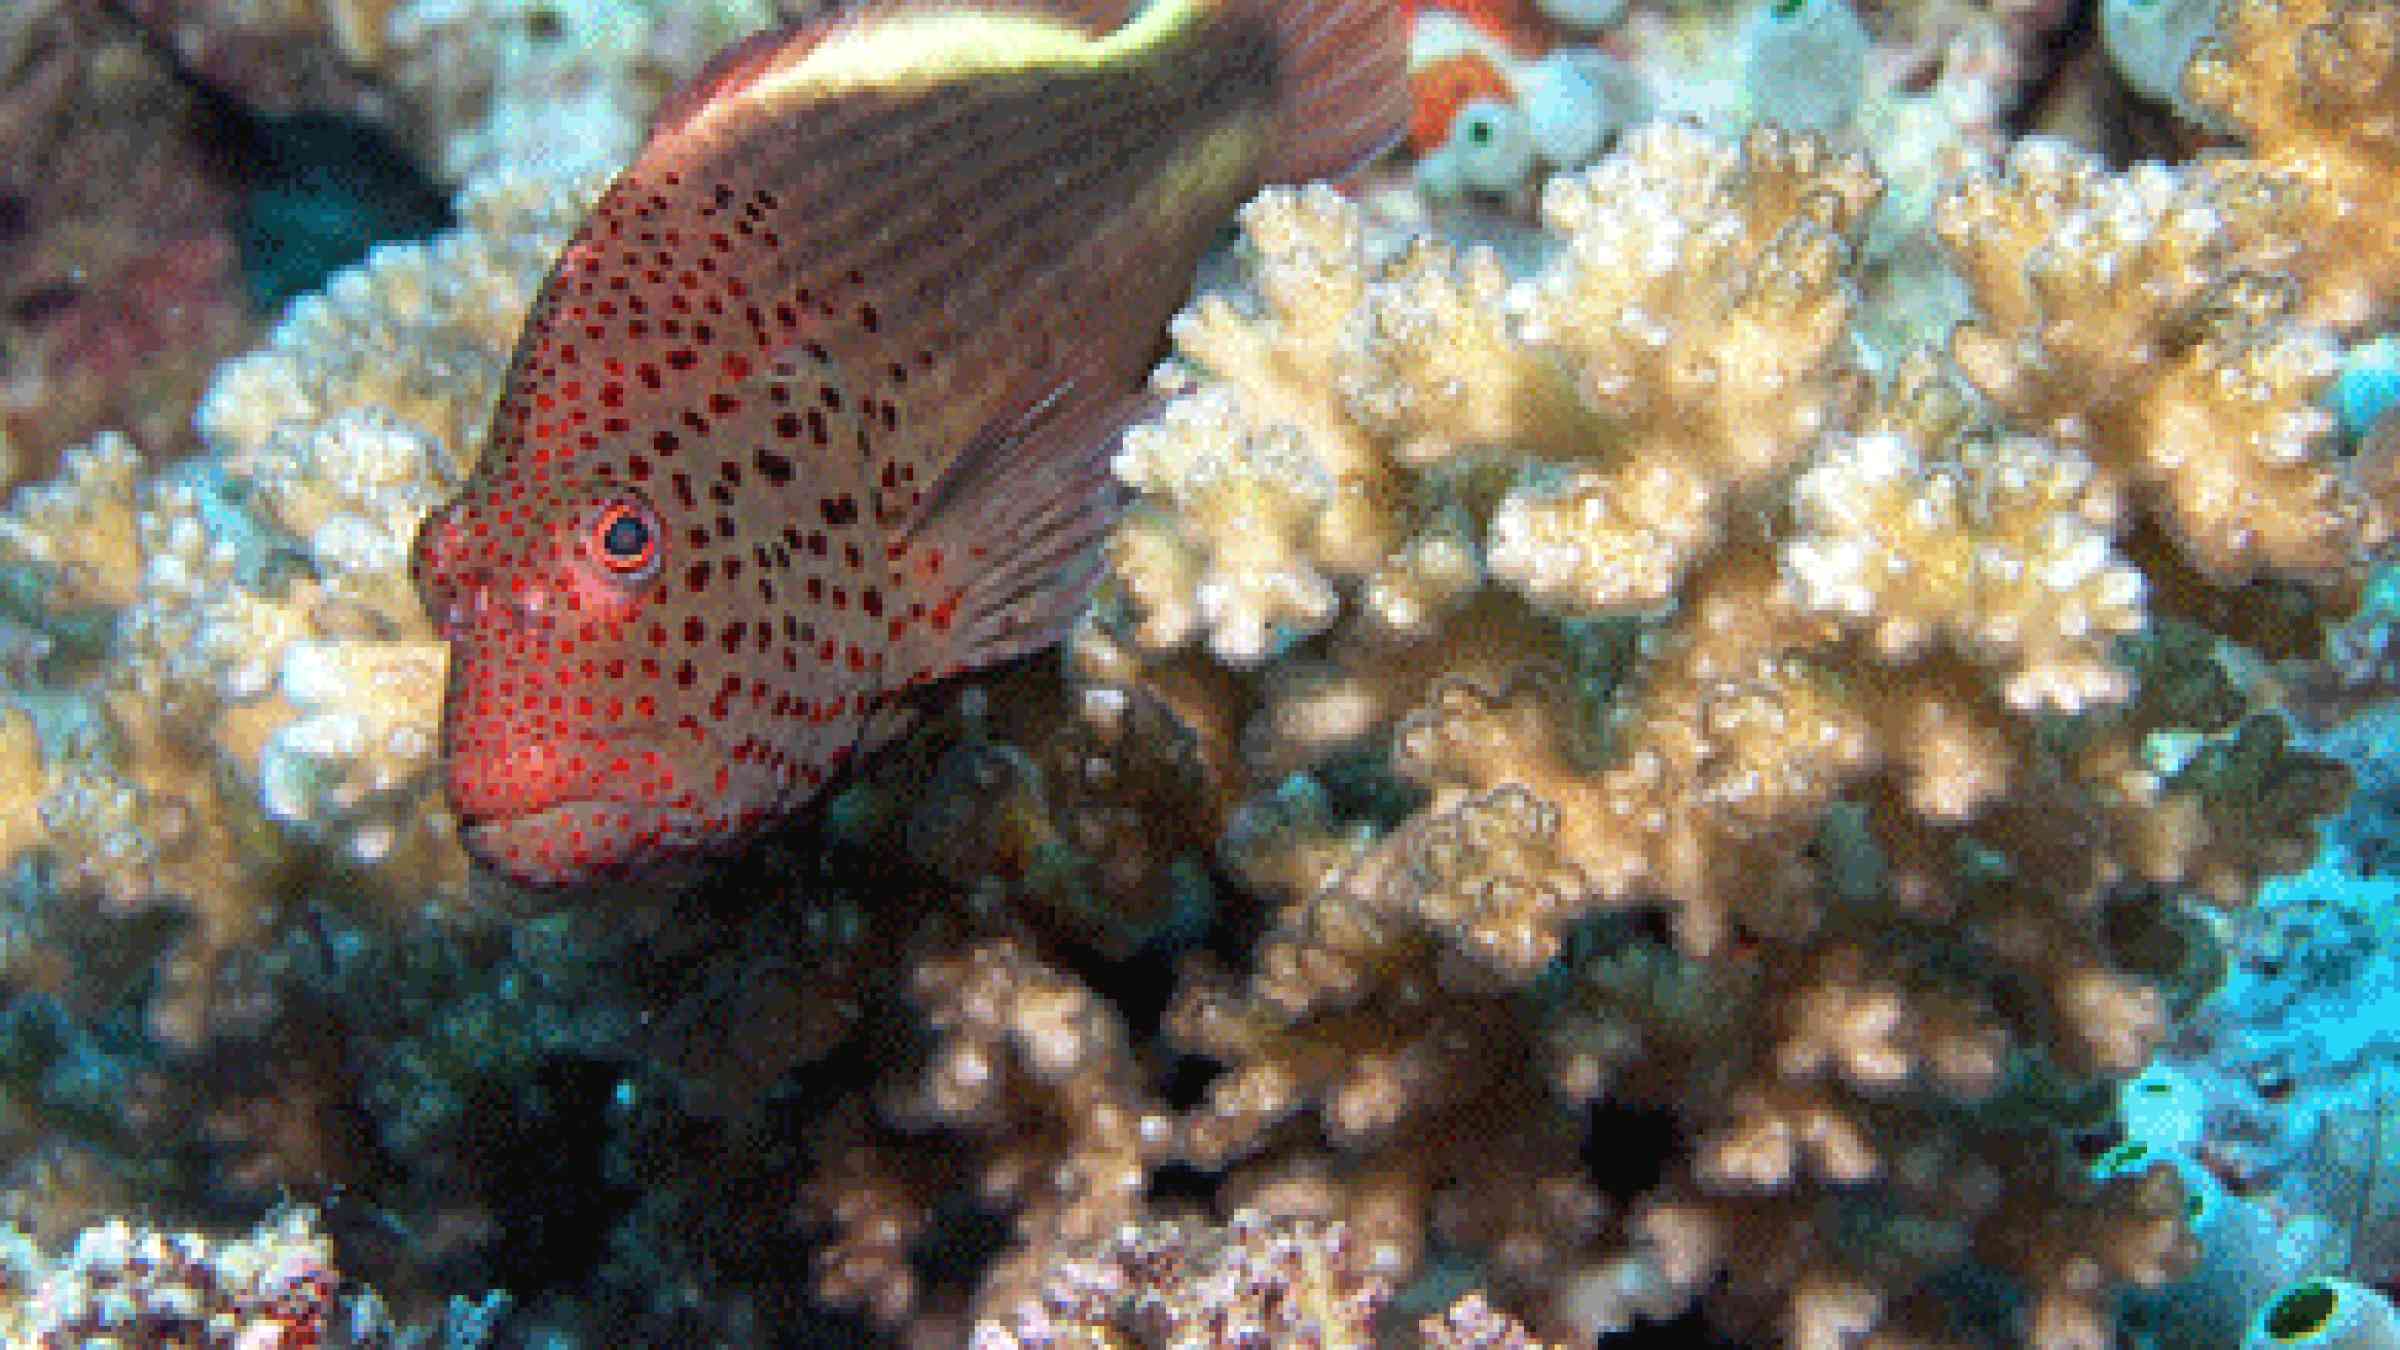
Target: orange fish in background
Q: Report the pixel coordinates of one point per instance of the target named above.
(1442, 90)
(1516, 26)
(816, 408)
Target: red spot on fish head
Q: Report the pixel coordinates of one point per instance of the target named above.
(563, 755)
(574, 555)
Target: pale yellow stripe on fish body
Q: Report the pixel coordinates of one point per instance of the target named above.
(1220, 161)
(909, 51)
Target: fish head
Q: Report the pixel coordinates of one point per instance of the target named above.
(571, 748)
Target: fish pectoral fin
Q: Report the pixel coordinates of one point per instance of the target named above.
(987, 452)
(1024, 508)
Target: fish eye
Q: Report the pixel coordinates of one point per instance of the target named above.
(624, 539)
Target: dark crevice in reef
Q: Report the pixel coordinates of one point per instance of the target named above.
(317, 190)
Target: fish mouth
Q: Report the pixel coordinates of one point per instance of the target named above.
(573, 843)
(595, 832)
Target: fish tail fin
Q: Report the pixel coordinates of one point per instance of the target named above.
(1342, 84)
(1021, 519)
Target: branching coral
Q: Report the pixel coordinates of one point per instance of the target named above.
(2309, 85)
(2118, 315)
(2020, 529)
(1190, 1284)
(276, 1287)
(1858, 714)
(1722, 274)
(1254, 1281)
(1037, 1069)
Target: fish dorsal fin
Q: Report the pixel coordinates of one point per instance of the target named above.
(730, 71)
(1095, 17)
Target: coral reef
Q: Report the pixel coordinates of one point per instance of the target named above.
(119, 292)
(1684, 766)
(1612, 461)
(469, 84)
(1869, 739)
(277, 1287)
(1506, 90)
(1252, 1282)
(266, 683)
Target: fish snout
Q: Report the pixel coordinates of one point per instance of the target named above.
(461, 601)
(463, 589)
(480, 606)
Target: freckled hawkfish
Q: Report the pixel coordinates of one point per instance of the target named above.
(816, 407)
